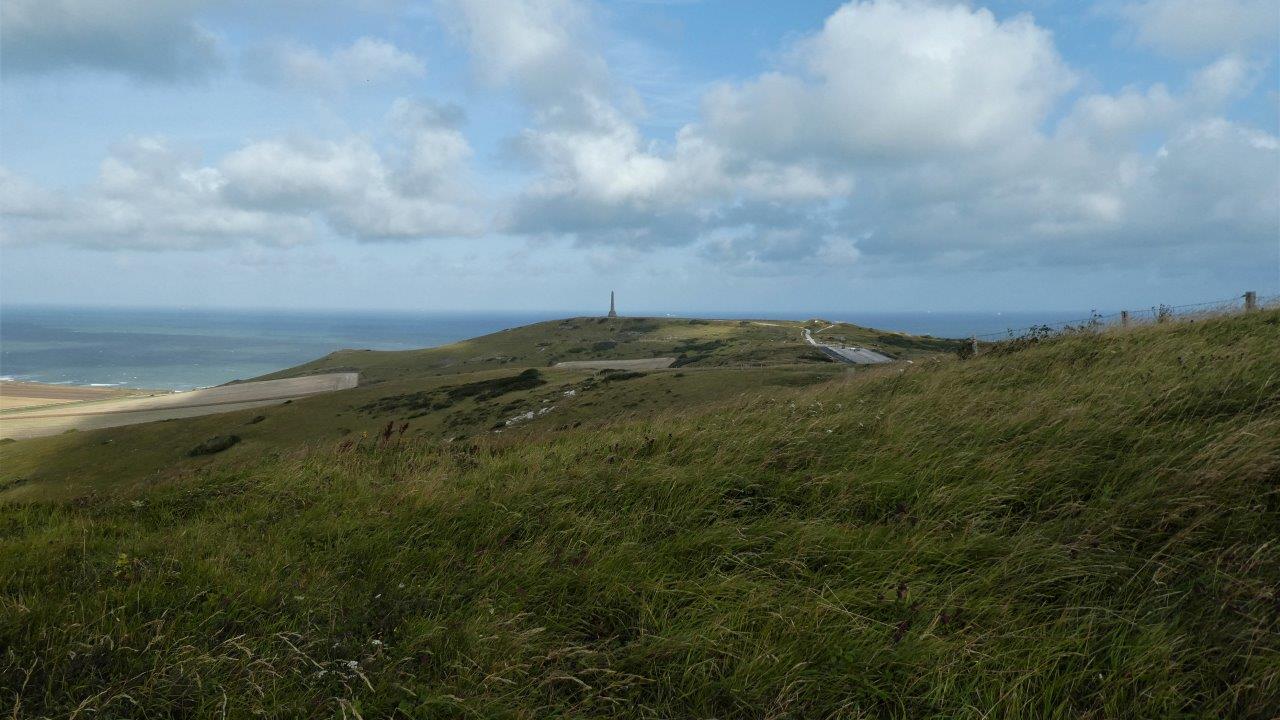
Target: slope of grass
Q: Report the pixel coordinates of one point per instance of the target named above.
(1084, 528)
(700, 343)
(544, 344)
(65, 467)
(717, 359)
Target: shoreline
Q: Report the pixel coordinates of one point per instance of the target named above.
(25, 394)
(51, 410)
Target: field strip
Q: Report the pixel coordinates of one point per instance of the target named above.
(126, 411)
(639, 364)
(17, 395)
(129, 411)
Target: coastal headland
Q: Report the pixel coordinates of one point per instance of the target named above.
(1071, 525)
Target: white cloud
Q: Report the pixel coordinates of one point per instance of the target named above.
(21, 198)
(771, 251)
(419, 190)
(599, 179)
(901, 132)
(145, 39)
(1205, 27)
(898, 79)
(1228, 78)
(148, 195)
(1214, 183)
(366, 61)
(151, 195)
(542, 48)
(1117, 119)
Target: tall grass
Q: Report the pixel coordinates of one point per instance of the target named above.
(1084, 528)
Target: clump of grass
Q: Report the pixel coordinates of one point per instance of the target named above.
(1085, 528)
(446, 396)
(213, 445)
(615, 375)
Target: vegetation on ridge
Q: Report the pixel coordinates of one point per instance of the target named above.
(1083, 528)
(455, 391)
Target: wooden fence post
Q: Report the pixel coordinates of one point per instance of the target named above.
(973, 345)
(1124, 318)
(1250, 301)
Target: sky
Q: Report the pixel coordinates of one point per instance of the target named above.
(695, 156)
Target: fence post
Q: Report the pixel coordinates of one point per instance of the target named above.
(1250, 301)
(973, 345)
(1124, 318)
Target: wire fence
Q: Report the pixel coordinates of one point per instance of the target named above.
(1156, 314)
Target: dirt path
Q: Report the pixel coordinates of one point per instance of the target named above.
(641, 364)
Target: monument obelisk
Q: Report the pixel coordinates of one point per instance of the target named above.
(613, 313)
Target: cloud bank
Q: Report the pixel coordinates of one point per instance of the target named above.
(156, 41)
(902, 131)
(367, 61)
(899, 133)
(151, 194)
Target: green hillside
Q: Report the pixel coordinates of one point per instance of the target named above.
(696, 344)
(1083, 527)
(455, 391)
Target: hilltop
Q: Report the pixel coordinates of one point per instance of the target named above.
(531, 378)
(1078, 526)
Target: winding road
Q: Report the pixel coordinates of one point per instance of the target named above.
(842, 353)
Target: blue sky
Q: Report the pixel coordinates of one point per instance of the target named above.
(697, 156)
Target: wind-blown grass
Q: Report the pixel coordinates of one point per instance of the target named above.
(1085, 528)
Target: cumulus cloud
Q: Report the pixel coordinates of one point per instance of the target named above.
(22, 198)
(414, 192)
(902, 131)
(898, 132)
(1205, 27)
(1228, 78)
(1214, 183)
(599, 179)
(366, 61)
(1072, 199)
(898, 79)
(750, 250)
(542, 48)
(156, 41)
(150, 194)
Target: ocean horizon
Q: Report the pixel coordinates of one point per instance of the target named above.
(182, 349)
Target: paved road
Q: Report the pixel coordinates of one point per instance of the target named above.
(852, 355)
(51, 420)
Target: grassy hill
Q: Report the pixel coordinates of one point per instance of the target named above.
(1081, 527)
(454, 391)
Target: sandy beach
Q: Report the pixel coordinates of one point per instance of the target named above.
(51, 409)
(17, 395)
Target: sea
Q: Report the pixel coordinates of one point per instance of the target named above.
(181, 349)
